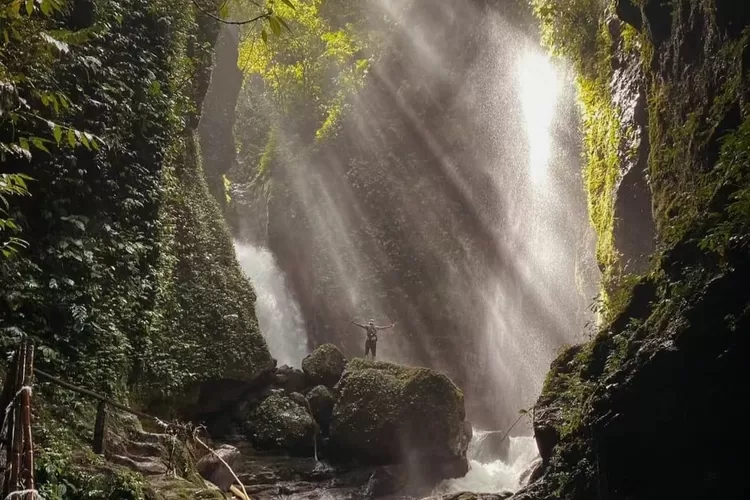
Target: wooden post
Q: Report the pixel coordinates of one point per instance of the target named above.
(100, 429)
(16, 429)
(9, 390)
(28, 443)
(17, 440)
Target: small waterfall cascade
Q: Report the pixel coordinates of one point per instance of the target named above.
(494, 465)
(277, 310)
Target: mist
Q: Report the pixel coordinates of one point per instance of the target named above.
(449, 201)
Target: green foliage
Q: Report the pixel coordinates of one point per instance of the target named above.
(732, 229)
(684, 128)
(297, 65)
(63, 476)
(90, 290)
(10, 185)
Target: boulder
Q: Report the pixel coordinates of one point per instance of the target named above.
(280, 423)
(388, 414)
(299, 399)
(211, 468)
(290, 379)
(321, 402)
(324, 365)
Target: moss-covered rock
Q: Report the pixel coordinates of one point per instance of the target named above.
(321, 403)
(324, 365)
(388, 413)
(280, 423)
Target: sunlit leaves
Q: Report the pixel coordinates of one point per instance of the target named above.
(297, 64)
(61, 47)
(11, 185)
(275, 25)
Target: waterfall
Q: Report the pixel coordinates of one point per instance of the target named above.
(488, 474)
(277, 310)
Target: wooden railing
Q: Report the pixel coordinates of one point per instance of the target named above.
(16, 446)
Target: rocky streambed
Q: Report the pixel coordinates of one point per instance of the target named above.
(341, 429)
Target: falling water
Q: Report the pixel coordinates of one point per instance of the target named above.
(278, 314)
(480, 247)
(492, 476)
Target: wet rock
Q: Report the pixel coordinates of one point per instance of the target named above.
(634, 228)
(324, 365)
(472, 496)
(388, 414)
(386, 481)
(290, 379)
(547, 412)
(299, 399)
(321, 403)
(211, 468)
(280, 423)
(176, 488)
(143, 465)
(532, 473)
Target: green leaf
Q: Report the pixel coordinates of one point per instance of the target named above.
(24, 143)
(224, 11)
(57, 131)
(275, 26)
(284, 24)
(29, 7)
(61, 47)
(84, 140)
(55, 103)
(72, 138)
(5, 36)
(38, 142)
(94, 143)
(289, 3)
(264, 36)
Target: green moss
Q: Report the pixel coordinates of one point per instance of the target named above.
(577, 30)
(684, 122)
(383, 407)
(324, 365)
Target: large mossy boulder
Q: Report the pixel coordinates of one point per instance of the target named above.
(388, 413)
(280, 423)
(324, 365)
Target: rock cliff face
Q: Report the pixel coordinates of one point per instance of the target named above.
(633, 413)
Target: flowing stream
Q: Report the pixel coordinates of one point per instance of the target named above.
(488, 471)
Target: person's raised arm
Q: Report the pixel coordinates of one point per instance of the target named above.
(386, 327)
(357, 324)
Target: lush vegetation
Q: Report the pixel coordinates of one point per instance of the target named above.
(115, 258)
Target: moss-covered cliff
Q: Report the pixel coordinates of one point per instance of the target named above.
(129, 285)
(636, 413)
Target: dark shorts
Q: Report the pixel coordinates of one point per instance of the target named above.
(371, 345)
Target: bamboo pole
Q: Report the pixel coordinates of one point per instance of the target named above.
(28, 442)
(17, 436)
(9, 391)
(92, 394)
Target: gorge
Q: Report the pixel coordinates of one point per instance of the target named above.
(549, 198)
